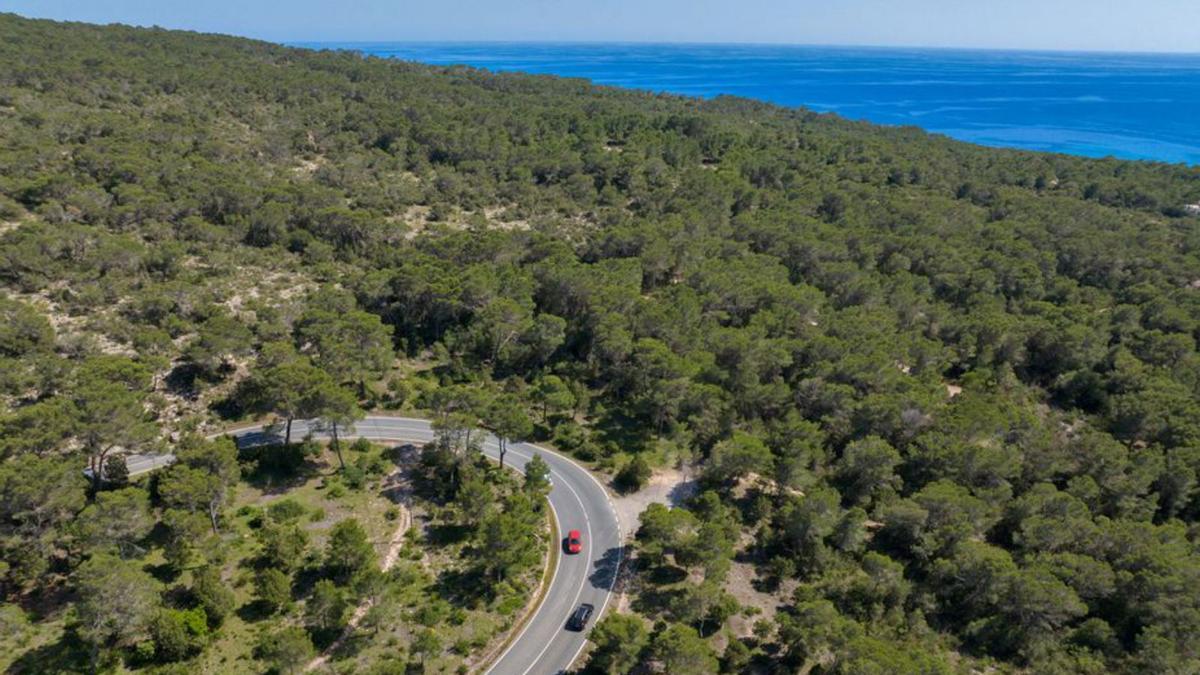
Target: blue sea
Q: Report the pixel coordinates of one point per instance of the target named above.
(1133, 106)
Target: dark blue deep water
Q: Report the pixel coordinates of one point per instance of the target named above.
(1135, 106)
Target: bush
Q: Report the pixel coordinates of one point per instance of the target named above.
(178, 633)
(432, 613)
(569, 436)
(587, 452)
(634, 475)
(509, 605)
(213, 595)
(355, 477)
(273, 588)
(9, 210)
(395, 664)
(143, 652)
(286, 649)
(737, 657)
(361, 445)
(286, 510)
(116, 473)
(374, 465)
(13, 621)
(398, 392)
(283, 460)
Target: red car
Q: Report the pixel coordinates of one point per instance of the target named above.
(574, 542)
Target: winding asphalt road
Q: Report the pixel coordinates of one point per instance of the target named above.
(544, 646)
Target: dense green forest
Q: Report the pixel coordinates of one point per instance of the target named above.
(943, 401)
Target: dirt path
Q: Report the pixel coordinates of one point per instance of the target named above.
(670, 486)
(398, 489)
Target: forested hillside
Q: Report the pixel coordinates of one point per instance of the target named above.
(943, 401)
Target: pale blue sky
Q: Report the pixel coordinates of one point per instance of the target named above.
(1105, 25)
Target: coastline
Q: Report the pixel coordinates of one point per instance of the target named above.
(1131, 106)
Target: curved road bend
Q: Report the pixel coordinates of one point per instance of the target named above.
(544, 646)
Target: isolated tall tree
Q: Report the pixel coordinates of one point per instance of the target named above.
(291, 389)
(537, 477)
(349, 550)
(426, 643)
(507, 538)
(500, 323)
(283, 545)
(38, 428)
(186, 535)
(110, 400)
(553, 394)
(325, 609)
(474, 500)
(23, 329)
(273, 588)
(508, 421)
(867, 468)
(456, 412)
(219, 458)
(736, 457)
(203, 477)
(336, 411)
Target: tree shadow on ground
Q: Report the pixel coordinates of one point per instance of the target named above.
(68, 655)
(662, 575)
(275, 467)
(322, 638)
(306, 578)
(354, 642)
(683, 492)
(164, 572)
(398, 486)
(181, 381)
(446, 535)
(652, 599)
(605, 575)
(464, 588)
(254, 611)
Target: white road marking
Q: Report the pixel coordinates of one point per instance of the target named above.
(532, 619)
(379, 428)
(620, 543)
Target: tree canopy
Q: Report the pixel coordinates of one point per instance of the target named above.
(937, 396)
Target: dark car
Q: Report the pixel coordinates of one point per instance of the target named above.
(579, 617)
(574, 542)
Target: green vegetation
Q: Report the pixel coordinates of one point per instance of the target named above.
(943, 399)
(157, 579)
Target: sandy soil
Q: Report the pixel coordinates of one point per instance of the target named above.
(667, 486)
(670, 486)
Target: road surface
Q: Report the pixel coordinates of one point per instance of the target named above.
(544, 646)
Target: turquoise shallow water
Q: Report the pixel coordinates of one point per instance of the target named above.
(1134, 106)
